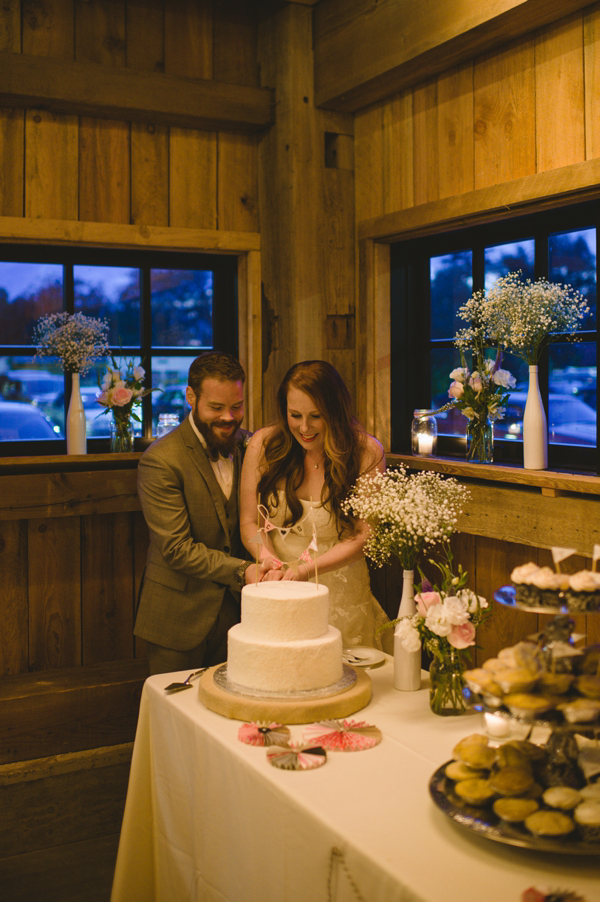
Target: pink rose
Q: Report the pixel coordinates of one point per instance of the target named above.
(426, 600)
(456, 390)
(462, 636)
(121, 396)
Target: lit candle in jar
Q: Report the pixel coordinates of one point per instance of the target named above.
(496, 726)
(424, 443)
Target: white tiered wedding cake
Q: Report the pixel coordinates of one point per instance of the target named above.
(284, 642)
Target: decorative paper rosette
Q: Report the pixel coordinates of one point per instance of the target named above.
(297, 756)
(263, 734)
(343, 735)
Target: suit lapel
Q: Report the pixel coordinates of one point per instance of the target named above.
(200, 459)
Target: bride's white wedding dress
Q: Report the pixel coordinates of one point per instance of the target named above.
(352, 607)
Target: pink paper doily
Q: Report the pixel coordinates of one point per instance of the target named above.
(263, 734)
(343, 735)
(297, 756)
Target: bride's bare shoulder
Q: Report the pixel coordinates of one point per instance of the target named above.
(373, 455)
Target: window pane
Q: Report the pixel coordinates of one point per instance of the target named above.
(181, 308)
(27, 394)
(170, 374)
(572, 397)
(443, 361)
(113, 293)
(501, 259)
(572, 260)
(451, 285)
(27, 291)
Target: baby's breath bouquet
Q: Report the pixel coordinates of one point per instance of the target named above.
(76, 340)
(406, 513)
(520, 315)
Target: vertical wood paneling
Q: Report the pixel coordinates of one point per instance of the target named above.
(107, 618)
(591, 40)
(12, 153)
(141, 541)
(104, 170)
(149, 174)
(238, 192)
(426, 143)
(455, 131)
(14, 653)
(370, 166)
(559, 112)
(54, 593)
(51, 184)
(192, 178)
(48, 28)
(188, 38)
(10, 26)
(505, 115)
(234, 26)
(144, 20)
(397, 153)
(100, 32)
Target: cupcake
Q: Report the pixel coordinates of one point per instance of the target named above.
(514, 810)
(516, 679)
(526, 705)
(589, 685)
(565, 798)
(475, 751)
(521, 576)
(511, 781)
(590, 793)
(476, 791)
(555, 683)
(550, 823)
(550, 587)
(580, 710)
(583, 592)
(587, 818)
(458, 770)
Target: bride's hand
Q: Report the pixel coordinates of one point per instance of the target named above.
(296, 573)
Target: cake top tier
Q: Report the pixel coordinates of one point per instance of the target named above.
(285, 610)
(284, 589)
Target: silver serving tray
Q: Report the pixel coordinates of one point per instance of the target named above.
(507, 596)
(484, 822)
(348, 679)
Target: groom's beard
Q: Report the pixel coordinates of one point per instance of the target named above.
(215, 442)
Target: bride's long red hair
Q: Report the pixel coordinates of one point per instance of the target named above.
(344, 444)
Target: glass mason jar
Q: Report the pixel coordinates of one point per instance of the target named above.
(121, 434)
(166, 422)
(423, 433)
(446, 675)
(480, 441)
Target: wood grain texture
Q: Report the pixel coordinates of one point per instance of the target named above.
(107, 591)
(188, 38)
(591, 49)
(559, 107)
(38, 495)
(192, 179)
(100, 32)
(54, 593)
(234, 25)
(149, 174)
(145, 35)
(455, 130)
(12, 154)
(48, 28)
(104, 171)
(504, 113)
(376, 157)
(51, 165)
(14, 650)
(10, 26)
(426, 168)
(237, 161)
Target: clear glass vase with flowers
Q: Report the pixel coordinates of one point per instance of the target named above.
(407, 514)
(122, 390)
(445, 624)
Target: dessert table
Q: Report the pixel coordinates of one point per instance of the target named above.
(208, 818)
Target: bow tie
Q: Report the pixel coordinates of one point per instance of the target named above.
(215, 455)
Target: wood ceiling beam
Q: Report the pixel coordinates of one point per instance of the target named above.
(366, 51)
(132, 95)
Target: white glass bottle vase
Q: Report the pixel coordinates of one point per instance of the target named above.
(535, 432)
(76, 423)
(407, 664)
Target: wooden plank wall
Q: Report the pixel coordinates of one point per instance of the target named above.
(57, 166)
(528, 107)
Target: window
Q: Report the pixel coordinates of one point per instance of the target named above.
(163, 309)
(433, 276)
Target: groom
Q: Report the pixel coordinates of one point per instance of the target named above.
(188, 484)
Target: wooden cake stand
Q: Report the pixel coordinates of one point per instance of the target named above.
(293, 710)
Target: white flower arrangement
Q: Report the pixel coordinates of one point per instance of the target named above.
(123, 389)
(406, 513)
(76, 340)
(520, 315)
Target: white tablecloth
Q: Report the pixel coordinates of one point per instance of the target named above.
(208, 818)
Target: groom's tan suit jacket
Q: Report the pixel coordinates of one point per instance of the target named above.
(195, 545)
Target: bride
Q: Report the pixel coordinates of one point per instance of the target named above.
(295, 477)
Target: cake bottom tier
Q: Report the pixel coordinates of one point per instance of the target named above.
(284, 666)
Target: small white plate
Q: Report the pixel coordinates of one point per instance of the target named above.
(367, 657)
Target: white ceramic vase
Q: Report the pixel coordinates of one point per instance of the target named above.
(535, 432)
(76, 441)
(407, 664)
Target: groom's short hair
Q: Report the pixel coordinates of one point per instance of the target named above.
(215, 365)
